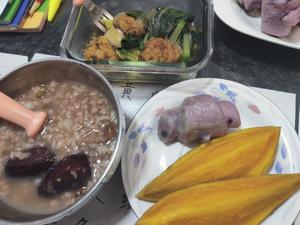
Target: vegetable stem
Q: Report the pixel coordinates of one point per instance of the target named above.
(142, 45)
(108, 23)
(178, 29)
(186, 47)
(129, 55)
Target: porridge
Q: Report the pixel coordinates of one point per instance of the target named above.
(80, 134)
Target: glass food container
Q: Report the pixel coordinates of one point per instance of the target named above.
(80, 29)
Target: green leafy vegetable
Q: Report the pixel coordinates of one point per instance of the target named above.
(134, 13)
(164, 21)
(130, 42)
(129, 55)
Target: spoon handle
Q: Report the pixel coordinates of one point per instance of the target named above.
(16, 113)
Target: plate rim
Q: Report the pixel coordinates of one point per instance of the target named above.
(293, 214)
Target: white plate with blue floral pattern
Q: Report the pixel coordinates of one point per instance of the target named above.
(145, 156)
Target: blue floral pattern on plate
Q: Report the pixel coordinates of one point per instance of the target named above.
(283, 151)
(278, 167)
(223, 92)
(138, 138)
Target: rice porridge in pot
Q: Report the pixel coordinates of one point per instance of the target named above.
(80, 130)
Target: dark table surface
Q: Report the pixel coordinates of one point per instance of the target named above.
(236, 56)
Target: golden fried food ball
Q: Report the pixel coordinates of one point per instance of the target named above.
(129, 25)
(100, 48)
(160, 50)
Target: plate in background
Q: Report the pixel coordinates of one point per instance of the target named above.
(236, 18)
(145, 156)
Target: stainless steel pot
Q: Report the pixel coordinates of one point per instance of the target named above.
(43, 71)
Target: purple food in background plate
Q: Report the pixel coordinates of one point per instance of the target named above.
(272, 16)
(198, 118)
(293, 18)
(250, 4)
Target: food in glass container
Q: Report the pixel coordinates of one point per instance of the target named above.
(161, 35)
(100, 48)
(52, 171)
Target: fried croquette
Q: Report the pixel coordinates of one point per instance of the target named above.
(160, 50)
(129, 25)
(100, 48)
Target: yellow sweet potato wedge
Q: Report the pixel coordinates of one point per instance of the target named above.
(239, 201)
(242, 153)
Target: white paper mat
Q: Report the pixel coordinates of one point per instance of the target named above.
(3, 4)
(111, 207)
(38, 56)
(9, 61)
